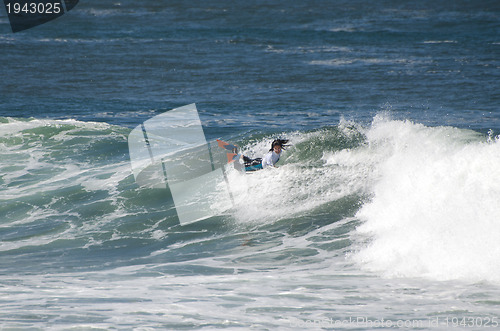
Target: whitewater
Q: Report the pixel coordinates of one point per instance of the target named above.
(394, 218)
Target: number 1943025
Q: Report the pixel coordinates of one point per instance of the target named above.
(34, 8)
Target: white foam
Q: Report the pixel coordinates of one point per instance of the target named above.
(294, 188)
(36, 167)
(435, 205)
(440, 42)
(340, 62)
(16, 126)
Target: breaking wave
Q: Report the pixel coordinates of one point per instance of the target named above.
(422, 201)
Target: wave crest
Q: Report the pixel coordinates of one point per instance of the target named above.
(434, 210)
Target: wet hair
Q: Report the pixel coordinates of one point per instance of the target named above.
(279, 142)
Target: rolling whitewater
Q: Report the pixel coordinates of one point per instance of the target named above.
(348, 207)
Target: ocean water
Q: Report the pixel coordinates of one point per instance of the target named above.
(382, 214)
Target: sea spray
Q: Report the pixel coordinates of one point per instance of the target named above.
(435, 204)
(305, 178)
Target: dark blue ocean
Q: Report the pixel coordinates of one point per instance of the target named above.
(382, 214)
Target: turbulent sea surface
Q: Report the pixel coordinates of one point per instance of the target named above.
(383, 213)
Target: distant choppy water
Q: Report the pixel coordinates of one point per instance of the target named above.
(383, 214)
